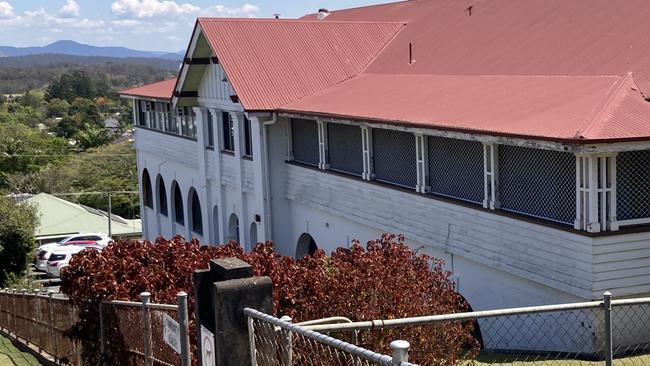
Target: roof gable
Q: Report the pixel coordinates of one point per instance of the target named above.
(273, 62)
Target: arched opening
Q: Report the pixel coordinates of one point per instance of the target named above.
(162, 196)
(253, 235)
(215, 224)
(177, 202)
(196, 218)
(306, 246)
(147, 194)
(233, 228)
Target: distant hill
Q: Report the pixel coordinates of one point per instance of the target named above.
(80, 49)
(60, 59)
(18, 74)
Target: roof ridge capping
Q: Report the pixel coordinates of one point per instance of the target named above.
(300, 21)
(617, 93)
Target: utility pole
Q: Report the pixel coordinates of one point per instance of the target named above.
(110, 229)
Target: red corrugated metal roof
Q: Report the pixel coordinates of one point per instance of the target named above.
(158, 90)
(514, 37)
(568, 63)
(533, 106)
(272, 62)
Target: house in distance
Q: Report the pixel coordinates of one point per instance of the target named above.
(510, 138)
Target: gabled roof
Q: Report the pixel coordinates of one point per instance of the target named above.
(158, 90)
(59, 217)
(553, 69)
(272, 62)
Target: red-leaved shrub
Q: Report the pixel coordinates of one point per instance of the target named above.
(383, 281)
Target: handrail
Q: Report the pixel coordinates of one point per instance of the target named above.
(430, 319)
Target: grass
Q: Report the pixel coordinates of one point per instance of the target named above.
(11, 356)
(488, 358)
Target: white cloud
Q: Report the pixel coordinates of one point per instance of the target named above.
(41, 17)
(70, 9)
(151, 8)
(6, 10)
(246, 10)
(126, 23)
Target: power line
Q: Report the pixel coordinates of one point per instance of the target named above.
(58, 155)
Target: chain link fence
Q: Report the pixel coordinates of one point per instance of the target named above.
(394, 157)
(529, 177)
(130, 333)
(456, 168)
(277, 342)
(633, 180)
(344, 148)
(42, 321)
(596, 333)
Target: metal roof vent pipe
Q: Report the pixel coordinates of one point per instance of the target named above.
(323, 13)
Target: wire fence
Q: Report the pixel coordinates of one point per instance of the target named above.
(277, 342)
(42, 321)
(607, 332)
(130, 333)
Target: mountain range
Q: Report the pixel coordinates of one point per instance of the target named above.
(66, 47)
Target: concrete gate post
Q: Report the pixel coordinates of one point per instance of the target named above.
(222, 292)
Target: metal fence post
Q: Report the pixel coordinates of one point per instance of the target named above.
(183, 321)
(251, 340)
(37, 319)
(287, 338)
(400, 352)
(146, 320)
(13, 312)
(50, 293)
(607, 308)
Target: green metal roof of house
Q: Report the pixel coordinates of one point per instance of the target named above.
(59, 218)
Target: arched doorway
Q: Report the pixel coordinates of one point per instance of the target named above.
(233, 228)
(306, 246)
(253, 235)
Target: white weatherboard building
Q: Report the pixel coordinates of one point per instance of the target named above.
(520, 155)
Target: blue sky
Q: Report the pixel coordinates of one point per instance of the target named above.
(161, 25)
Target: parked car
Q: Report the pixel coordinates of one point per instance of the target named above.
(60, 257)
(42, 253)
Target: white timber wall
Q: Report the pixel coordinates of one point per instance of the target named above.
(213, 85)
(622, 264)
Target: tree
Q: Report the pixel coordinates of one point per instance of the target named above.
(68, 127)
(25, 150)
(57, 108)
(92, 137)
(17, 226)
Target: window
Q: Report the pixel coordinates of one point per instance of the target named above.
(394, 157)
(344, 148)
(147, 194)
(248, 138)
(141, 106)
(456, 168)
(539, 183)
(304, 138)
(196, 218)
(162, 197)
(633, 180)
(209, 130)
(179, 216)
(228, 132)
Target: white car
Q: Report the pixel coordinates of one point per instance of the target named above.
(43, 252)
(60, 257)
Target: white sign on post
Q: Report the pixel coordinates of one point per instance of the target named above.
(207, 347)
(172, 333)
